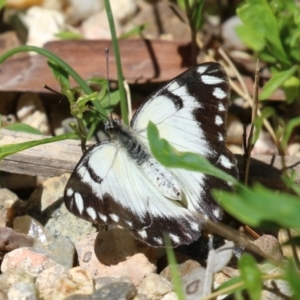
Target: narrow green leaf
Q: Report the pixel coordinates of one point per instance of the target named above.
(293, 278)
(290, 126)
(2, 3)
(275, 82)
(10, 149)
(258, 205)
(137, 30)
(251, 276)
(174, 269)
(60, 74)
(23, 128)
(68, 35)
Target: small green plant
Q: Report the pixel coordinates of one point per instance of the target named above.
(271, 29)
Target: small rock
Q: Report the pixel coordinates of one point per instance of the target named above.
(23, 291)
(115, 290)
(103, 281)
(129, 8)
(29, 260)
(78, 10)
(32, 228)
(47, 280)
(78, 282)
(264, 144)
(269, 245)
(3, 296)
(42, 25)
(46, 205)
(7, 201)
(11, 240)
(31, 111)
(294, 149)
(184, 268)
(97, 27)
(12, 276)
(60, 248)
(235, 130)
(115, 252)
(231, 38)
(287, 249)
(155, 286)
(170, 296)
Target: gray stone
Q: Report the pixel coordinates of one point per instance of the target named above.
(115, 291)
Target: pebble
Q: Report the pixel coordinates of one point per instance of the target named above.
(269, 245)
(42, 24)
(170, 296)
(59, 248)
(11, 240)
(46, 206)
(235, 130)
(183, 269)
(31, 111)
(294, 149)
(115, 290)
(23, 291)
(48, 278)
(7, 201)
(115, 253)
(79, 281)
(155, 286)
(287, 249)
(12, 276)
(228, 32)
(26, 259)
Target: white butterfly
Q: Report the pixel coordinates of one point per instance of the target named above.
(118, 181)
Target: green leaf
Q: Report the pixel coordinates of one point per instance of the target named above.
(266, 113)
(23, 128)
(234, 282)
(260, 20)
(173, 268)
(258, 205)
(249, 38)
(68, 35)
(137, 30)
(293, 278)
(170, 157)
(251, 276)
(2, 3)
(290, 126)
(60, 74)
(10, 149)
(275, 82)
(291, 88)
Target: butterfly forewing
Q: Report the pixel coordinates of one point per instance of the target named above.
(109, 184)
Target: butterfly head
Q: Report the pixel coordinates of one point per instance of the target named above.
(111, 126)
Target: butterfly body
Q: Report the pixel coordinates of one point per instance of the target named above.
(118, 181)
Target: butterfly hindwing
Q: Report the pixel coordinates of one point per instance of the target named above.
(129, 200)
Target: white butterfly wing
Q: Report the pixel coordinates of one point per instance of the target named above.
(190, 113)
(108, 187)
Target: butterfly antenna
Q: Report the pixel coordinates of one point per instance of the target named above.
(107, 78)
(47, 87)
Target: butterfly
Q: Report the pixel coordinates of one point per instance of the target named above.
(119, 182)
